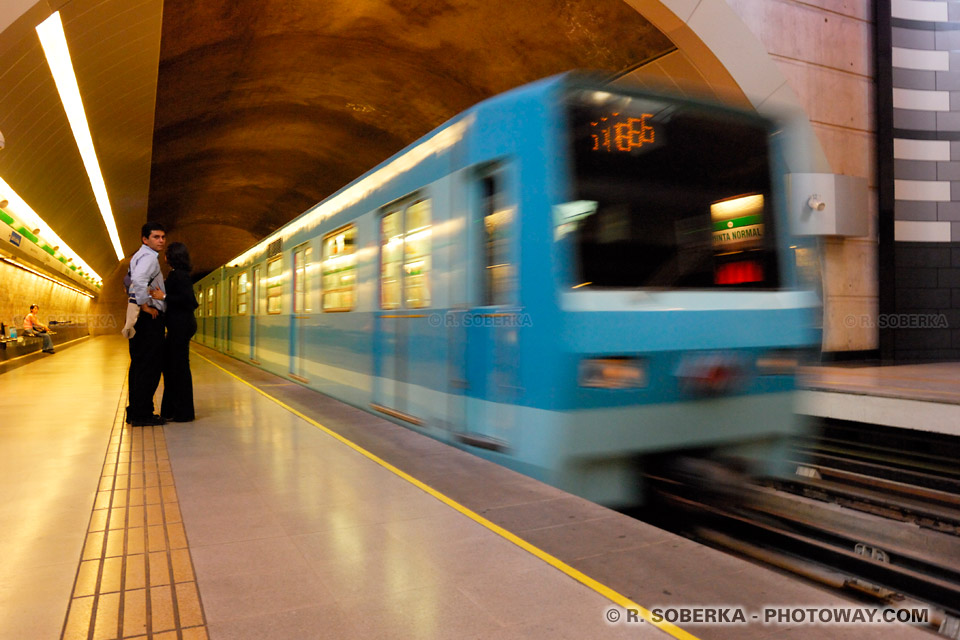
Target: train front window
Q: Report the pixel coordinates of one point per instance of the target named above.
(667, 195)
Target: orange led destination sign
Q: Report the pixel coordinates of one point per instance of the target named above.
(615, 134)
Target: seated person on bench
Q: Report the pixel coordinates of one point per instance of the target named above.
(33, 327)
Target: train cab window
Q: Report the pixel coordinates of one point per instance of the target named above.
(405, 256)
(667, 195)
(339, 269)
(274, 285)
(211, 309)
(302, 276)
(242, 293)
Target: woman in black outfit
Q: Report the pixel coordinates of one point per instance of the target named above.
(177, 404)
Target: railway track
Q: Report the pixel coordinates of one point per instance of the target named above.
(870, 512)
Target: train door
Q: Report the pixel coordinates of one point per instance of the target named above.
(491, 328)
(404, 343)
(302, 257)
(210, 333)
(255, 311)
(201, 314)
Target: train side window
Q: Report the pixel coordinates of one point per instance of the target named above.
(274, 285)
(339, 269)
(200, 307)
(242, 285)
(210, 301)
(256, 294)
(416, 255)
(498, 270)
(391, 256)
(302, 257)
(232, 301)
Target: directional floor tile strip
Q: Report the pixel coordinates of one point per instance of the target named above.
(136, 577)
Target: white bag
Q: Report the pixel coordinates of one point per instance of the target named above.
(133, 311)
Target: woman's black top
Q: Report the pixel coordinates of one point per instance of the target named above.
(180, 304)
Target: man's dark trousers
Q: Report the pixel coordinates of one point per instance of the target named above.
(146, 365)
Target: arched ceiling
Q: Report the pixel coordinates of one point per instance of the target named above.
(264, 107)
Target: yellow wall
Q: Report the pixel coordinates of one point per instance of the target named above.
(19, 289)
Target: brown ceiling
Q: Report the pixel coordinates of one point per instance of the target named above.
(226, 118)
(115, 47)
(264, 107)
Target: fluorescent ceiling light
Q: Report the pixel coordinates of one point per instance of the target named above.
(22, 211)
(58, 57)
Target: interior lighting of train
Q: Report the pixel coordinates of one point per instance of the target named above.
(439, 143)
(24, 220)
(54, 44)
(737, 207)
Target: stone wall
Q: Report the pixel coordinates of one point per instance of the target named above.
(825, 50)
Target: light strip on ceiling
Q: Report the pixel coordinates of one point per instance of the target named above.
(37, 273)
(354, 193)
(17, 207)
(58, 57)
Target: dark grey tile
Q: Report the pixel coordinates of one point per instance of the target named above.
(914, 79)
(913, 38)
(915, 170)
(914, 210)
(911, 119)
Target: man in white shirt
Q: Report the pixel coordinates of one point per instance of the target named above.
(146, 345)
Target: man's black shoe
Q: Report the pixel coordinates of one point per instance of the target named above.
(151, 421)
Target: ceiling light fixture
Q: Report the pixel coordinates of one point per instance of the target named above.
(17, 208)
(58, 57)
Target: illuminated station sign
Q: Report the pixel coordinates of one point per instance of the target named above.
(616, 133)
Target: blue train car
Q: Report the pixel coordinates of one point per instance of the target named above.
(569, 279)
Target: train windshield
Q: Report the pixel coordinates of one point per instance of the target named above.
(667, 195)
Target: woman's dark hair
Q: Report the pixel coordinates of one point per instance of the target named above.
(178, 257)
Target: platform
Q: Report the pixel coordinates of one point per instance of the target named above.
(280, 513)
(923, 397)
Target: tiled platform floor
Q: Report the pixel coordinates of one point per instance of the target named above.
(295, 534)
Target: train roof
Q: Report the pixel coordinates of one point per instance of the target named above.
(452, 131)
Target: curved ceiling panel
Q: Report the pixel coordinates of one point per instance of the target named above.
(264, 107)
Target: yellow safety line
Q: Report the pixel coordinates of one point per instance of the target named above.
(584, 579)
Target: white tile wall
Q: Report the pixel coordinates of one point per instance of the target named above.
(935, 190)
(919, 10)
(921, 100)
(920, 59)
(908, 231)
(938, 150)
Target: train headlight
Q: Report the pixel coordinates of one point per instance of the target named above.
(712, 373)
(778, 363)
(613, 373)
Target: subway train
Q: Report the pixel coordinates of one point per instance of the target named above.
(576, 281)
